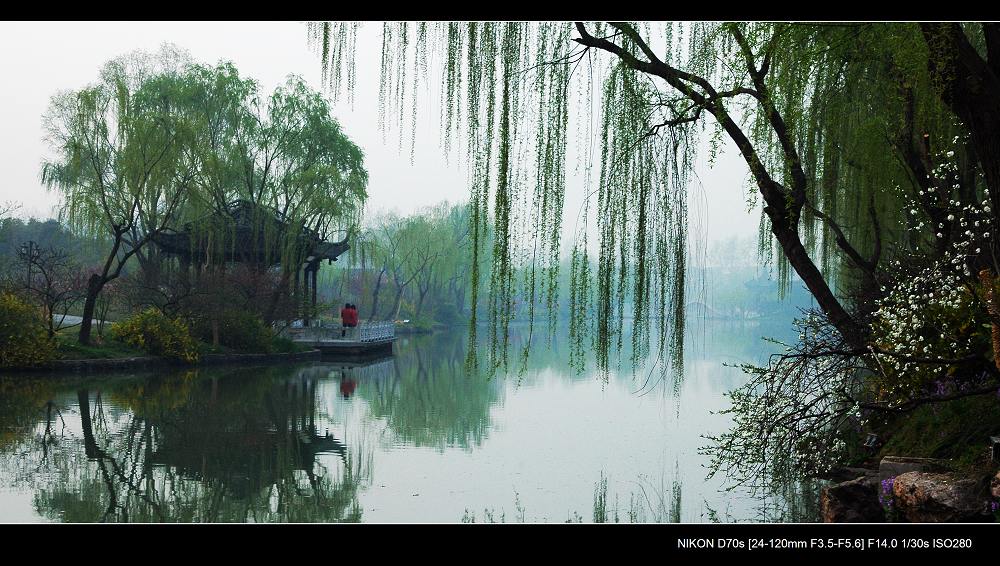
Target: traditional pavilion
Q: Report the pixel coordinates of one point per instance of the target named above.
(246, 232)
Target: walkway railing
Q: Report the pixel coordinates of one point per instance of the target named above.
(364, 332)
(375, 331)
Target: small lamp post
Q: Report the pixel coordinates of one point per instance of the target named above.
(995, 449)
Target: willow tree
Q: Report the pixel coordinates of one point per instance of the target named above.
(121, 164)
(515, 127)
(446, 279)
(508, 88)
(872, 148)
(786, 95)
(160, 142)
(284, 155)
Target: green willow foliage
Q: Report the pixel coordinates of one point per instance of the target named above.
(160, 141)
(119, 160)
(507, 90)
(855, 100)
(283, 154)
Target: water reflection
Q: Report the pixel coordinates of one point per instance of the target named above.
(409, 438)
(237, 445)
(428, 400)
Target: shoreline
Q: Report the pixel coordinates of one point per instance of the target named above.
(87, 365)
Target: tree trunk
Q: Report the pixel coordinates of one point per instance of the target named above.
(420, 303)
(276, 296)
(795, 252)
(378, 287)
(394, 311)
(94, 286)
(50, 312)
(312, 305)
(297, 294)
(306, 292)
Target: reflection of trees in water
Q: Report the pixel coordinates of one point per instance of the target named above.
(240, 446)
(23, 404)
(656, 502)
(795, 502)
(426, 397)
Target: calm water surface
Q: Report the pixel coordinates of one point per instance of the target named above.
(410, 439)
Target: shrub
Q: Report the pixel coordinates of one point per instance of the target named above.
(24, 341)
(887, 499)
(156, 334)
(937, 310)
(283, 345)
(240, 330)
(422, 324)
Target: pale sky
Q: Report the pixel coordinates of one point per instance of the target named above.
(41, 58)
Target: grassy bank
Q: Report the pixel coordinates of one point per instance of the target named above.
(958, 431)
(67, 348)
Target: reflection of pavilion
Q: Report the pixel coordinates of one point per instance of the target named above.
(245, 444)
(251, 460)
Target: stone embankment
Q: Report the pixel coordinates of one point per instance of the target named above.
(142, 362)
(915, 490)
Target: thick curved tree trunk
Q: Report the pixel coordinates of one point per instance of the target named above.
(783, 204)
(94, 286)
(791, 245)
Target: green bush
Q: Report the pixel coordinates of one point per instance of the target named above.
(24, 341)
(156, 334)
(283, 345)
(422, 324)
(239, 330)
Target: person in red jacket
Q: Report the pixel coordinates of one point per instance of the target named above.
(345, 318)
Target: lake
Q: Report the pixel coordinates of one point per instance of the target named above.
(412, 438)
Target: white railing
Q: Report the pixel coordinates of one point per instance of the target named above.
(375, 331)
(365, 332)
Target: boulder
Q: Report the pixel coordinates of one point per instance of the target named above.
(854, 501)
(842, 474)
(892, 466)
(923, 497)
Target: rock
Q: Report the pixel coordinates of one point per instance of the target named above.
(854, 501)
(843, 474)
(938, 498)
(892, 466)
(995, 486)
